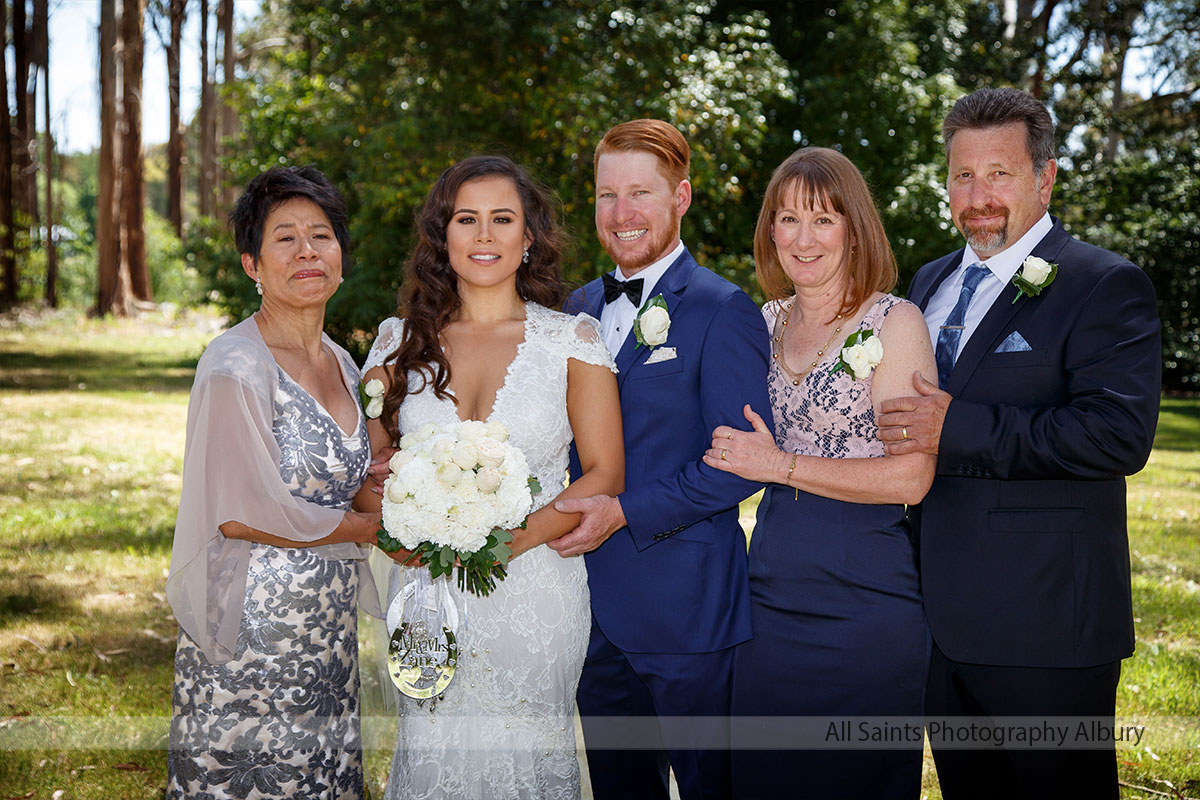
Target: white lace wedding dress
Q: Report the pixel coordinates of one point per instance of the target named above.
(504, 727)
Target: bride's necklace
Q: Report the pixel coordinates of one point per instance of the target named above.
(777, 347)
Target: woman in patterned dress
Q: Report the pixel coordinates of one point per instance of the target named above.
(838, 624)
(479, 338)
(267, 557)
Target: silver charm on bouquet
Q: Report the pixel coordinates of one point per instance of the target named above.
(424, 619)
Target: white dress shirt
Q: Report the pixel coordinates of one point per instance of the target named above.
(1001, 268)
(616, 319)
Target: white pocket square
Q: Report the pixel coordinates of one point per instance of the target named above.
(1014, 343)
(661, 354)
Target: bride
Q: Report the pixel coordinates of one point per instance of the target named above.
(478, 340)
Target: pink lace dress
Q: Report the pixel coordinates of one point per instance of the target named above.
(838, 624)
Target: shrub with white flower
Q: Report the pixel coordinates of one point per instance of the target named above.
(452, 496)
(862, 352)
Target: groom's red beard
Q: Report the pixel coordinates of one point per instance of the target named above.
(984, 238)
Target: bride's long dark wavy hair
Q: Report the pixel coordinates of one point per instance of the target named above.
(429, 295)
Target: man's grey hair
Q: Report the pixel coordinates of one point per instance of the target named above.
(988, 108)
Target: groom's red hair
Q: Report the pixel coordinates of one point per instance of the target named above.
(651, 136)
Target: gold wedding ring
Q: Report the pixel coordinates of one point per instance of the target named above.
(904, 433)
(723, 452)
(729, 435)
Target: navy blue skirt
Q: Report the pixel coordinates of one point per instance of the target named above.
(839, 631)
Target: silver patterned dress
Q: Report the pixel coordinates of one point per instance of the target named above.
(281, 720)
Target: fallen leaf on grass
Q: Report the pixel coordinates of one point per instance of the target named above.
(131, 767)
(20, 796)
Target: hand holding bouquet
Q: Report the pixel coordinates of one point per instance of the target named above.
(453, 493)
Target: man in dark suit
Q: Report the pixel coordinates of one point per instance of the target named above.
(666, 558)
(1049, 363)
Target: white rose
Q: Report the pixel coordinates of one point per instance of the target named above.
(448, 473)
(396, 492)
(440, 452)
(465, 455)
(857, 360)
(873, 347)
(654, 324)
(374, 408)
(398, 460)
(426, 431)
(490, 451)
(466, 480)
(373, 388)
(1035, 270)
(497, 431)
(471, 430)
(488, 479)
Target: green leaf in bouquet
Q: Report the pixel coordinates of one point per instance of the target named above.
(498, 545)
(446, 556)
(534, 486)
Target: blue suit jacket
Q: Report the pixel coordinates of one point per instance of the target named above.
(1024, 557)
(674, 580)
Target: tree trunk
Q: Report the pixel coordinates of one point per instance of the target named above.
(22, 172)
(205, 130)
(178, 11)
(133, 184)
(114, 293)
(228, 119)
(1119, 56)
(8, 257)
(41, 24)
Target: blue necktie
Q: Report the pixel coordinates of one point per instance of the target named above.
(947, 342)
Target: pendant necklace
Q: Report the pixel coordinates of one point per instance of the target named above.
(777, 346)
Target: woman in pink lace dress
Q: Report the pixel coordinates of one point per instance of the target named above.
(838, 624)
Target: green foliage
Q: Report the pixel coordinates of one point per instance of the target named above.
(1146, 206)
(373, 95)
(209, 250)
(384, 95)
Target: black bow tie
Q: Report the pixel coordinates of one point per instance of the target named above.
(614, 288)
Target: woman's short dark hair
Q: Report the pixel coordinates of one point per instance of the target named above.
(266, 191)
(989, 108)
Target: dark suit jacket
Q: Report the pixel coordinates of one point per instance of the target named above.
(675, 579)
(1024, 557)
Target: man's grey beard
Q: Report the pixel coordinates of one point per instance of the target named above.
(987, 241)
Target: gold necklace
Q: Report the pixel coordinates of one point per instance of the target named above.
(777, 349)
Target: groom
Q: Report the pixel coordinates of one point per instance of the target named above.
(1049, 398)
(666, 559)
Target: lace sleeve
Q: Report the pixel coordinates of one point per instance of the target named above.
(586, 344)
(391, 331)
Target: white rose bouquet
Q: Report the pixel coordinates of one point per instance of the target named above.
(452, 495)
(861, 353)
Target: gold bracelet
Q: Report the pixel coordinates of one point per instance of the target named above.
(788, 479)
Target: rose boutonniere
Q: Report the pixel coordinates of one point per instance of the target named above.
(861, 353)
(370, 394)
(1034, 275)
(652, 323)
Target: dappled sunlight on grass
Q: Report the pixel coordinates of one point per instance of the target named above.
(91, 453)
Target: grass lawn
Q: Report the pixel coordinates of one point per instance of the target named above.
(91, 447)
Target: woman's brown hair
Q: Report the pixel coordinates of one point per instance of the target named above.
(826, 179)
(429, 294)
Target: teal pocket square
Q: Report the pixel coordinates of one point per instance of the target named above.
(1014, 343)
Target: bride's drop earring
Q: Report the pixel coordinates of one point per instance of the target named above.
(525, 256)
